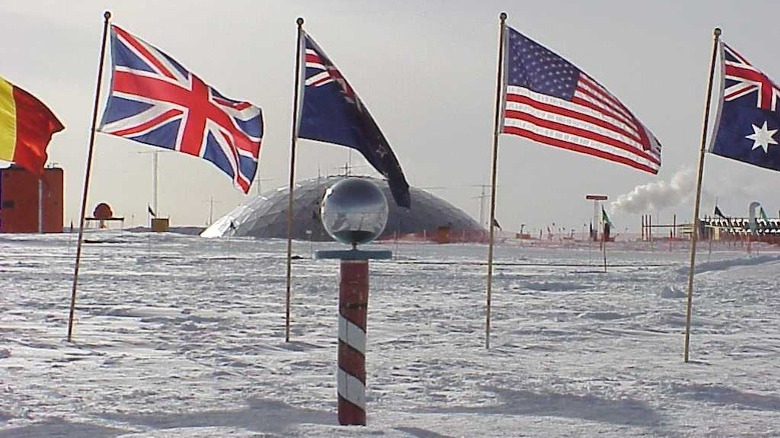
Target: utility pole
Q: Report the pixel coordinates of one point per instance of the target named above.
(211, 202)
(156, 166)
(482, 198)
(155, 173)
(482, 207)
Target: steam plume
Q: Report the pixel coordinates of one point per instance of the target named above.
(658, 195)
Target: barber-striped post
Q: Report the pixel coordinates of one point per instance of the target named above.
(353, 306)
(353, 311)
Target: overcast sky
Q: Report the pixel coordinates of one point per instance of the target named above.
(426, 70)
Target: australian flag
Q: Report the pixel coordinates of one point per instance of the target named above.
(749, 119)
(154, 100)
(331, 112)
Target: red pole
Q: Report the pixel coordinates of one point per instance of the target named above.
(353, 307)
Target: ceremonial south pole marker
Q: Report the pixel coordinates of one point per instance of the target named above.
(354, 211)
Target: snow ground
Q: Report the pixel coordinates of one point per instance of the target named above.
(179, 336)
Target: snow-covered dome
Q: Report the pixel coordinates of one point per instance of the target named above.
(265, 216)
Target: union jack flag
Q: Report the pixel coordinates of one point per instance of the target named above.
(747, 118)
(744, 79)
(332, 112)
(155, 100)
(320, 73)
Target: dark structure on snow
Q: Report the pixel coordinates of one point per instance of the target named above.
(265, 216)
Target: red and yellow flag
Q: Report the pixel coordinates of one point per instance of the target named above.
(26, 127)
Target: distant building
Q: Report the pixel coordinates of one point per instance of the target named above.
(738, 228)
(29, 204)
(265, 216)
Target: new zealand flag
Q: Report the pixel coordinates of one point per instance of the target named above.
(749, 119)
(331, 112)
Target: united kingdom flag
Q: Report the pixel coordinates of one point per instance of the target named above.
(748, 116)
(744, 79)
(155, 100)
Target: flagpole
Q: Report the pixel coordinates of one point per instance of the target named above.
(604, 224)
(87, 172)
(293, 141)
(695, 222)
(604, 246)
(499, 99)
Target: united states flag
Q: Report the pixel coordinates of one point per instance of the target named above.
(156, 101)
(549, 100)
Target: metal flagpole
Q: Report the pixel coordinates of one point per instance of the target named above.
(107, 18)
(293, 140)
(604, 224)
(695, 222)
(604, 244)
(496, 128)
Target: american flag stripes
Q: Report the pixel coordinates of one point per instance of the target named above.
(549, 100)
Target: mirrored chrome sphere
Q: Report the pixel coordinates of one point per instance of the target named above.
(354, 211)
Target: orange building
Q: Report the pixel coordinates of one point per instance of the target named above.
(29, 204)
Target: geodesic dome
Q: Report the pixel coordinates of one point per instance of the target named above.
(265, 216)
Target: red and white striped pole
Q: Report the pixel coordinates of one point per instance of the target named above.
(353, 307)
(353, 316)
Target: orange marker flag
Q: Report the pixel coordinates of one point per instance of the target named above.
(26, 127)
